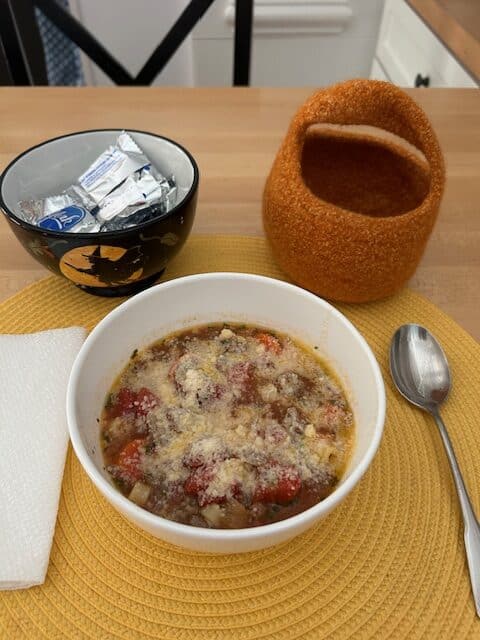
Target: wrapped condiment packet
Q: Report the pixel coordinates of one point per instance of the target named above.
(126, 196)
(165, 193)
(138, 217)
(117, 191)
(72, 218)
(156, 203)
(114, 165)
(144, 187)
(68, 211)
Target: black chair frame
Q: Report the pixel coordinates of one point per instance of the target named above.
(21, 49)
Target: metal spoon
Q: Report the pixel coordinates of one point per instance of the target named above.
(420, 371)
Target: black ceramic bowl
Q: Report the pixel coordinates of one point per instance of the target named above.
(113, 263)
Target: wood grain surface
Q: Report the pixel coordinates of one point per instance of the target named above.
(234, 135)
(457, 24)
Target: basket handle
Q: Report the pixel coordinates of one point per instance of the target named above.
(368, 102)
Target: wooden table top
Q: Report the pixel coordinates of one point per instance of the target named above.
(457, 24)
(234, 134)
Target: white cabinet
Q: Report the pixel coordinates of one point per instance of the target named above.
(295, 42)
(407, 49)
(377, 73)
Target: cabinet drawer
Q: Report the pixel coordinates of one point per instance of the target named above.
(407, 47)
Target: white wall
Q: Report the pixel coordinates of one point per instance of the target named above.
(296, 42)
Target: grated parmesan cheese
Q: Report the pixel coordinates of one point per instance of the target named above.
(230, 405)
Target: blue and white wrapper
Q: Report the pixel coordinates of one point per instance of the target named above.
(68, 211)
(71, 218)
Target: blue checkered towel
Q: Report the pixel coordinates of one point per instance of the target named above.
(62, 57)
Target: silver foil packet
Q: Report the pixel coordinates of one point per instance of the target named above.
(152, 208)
(145, 191)
(119, 190)
(68, 211)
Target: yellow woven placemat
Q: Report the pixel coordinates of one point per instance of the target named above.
(388, 563)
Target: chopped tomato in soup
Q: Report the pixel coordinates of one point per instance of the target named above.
(226, 426)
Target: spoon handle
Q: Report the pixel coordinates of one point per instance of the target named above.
(472, 528)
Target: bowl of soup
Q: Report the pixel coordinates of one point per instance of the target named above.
(225, 412)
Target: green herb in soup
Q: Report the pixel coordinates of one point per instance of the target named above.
(226, 426)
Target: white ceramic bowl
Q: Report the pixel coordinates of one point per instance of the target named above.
(216, 297)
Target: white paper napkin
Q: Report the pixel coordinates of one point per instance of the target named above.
(34, 370)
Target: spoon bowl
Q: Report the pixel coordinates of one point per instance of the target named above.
(419, 367)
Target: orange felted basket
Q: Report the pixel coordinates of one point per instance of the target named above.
(354, 191)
